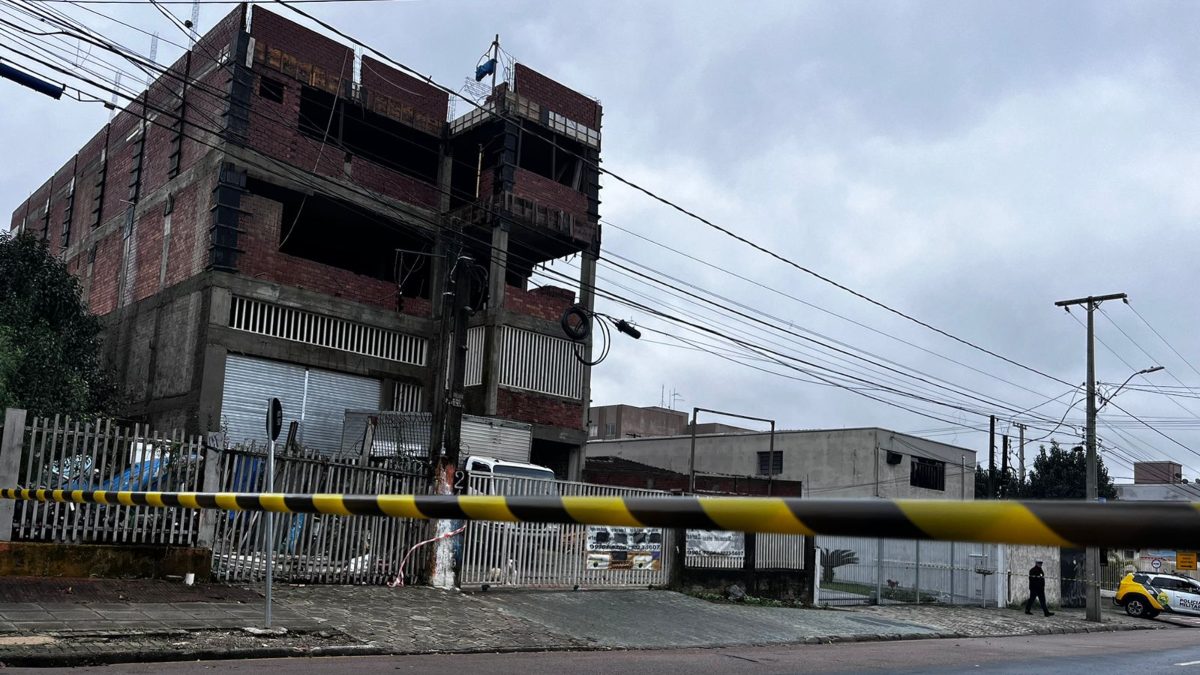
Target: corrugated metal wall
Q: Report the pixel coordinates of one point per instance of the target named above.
(491, 437)
(316, 398)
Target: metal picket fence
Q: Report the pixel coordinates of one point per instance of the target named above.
(857, 571)
(727, 550)
(561, 555)
(319, 548)
(62, 453)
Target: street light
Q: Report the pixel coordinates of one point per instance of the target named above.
(1145, 371)
(1092, 561)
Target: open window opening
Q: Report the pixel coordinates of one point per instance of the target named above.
(476, 153)
(270, 89)
(368, 134)
(337, 233)
(551, 155)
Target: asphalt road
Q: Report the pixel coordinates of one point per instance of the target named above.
(1175, 650)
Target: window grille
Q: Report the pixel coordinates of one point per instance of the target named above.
(927, 473)
(297, 325)
(770, 463)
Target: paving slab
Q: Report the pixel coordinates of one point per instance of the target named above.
(660, 619)
(92, 627)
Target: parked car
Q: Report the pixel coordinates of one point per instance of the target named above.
(1146, 594)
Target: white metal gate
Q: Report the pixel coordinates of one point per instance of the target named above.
(561, 555)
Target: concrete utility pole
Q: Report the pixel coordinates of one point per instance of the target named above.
(449, 424)
(1004, 468)
(1021, 455)
(1092, 566)
(992, 457)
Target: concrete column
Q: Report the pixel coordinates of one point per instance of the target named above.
(11, 446)
(210, 482)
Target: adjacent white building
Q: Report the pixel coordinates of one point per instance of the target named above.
(866, 462)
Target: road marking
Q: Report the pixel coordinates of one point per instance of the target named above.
(1189, 663)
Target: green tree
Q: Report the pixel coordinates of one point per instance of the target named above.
(1007, 484)
(1062, 474)
(49, 343)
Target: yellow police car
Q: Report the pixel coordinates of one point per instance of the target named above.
(1147, 594)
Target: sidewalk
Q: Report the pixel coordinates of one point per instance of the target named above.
(75, 622)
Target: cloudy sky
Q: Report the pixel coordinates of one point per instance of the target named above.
(967, 164)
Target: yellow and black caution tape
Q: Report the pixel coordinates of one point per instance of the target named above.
(1049, 523)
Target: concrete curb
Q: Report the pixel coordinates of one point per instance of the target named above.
(160, 656)
(67, 660)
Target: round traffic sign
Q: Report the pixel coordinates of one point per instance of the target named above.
(1156, 563)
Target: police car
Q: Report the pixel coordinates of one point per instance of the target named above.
(1147, 594)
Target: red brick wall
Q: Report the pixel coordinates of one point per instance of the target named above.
(103, 296)
(643, 476)
(547, 302)
(309, 46)
(188, 253)
(147, 249)
(273, 125)
(261, 259)
(550, 193)
(382, 180)
(37, 204)
(378, 77)
(524, 406)
(120, 160)
(562, 100)
(58, 205)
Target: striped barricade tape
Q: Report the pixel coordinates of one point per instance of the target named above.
(1047, 523)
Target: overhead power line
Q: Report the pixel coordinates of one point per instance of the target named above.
(762, 249)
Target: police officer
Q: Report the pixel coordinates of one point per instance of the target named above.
(1037, 588)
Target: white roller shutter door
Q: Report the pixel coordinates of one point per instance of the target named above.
(494, 437)
(330, 394)
(249, 384)
(318, 399)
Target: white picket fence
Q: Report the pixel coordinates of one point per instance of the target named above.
(318, 548)
(561, 555)
(62, 453)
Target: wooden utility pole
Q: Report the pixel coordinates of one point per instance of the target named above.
(1092, 596)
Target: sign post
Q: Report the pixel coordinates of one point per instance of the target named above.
(274, 425)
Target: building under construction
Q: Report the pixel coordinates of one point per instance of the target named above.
(278, 216)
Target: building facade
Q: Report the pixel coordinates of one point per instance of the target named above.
(630, 421)
(277, 216)
(839, 463)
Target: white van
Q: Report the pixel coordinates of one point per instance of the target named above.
(491, 476)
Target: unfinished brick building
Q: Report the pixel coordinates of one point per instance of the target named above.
(274, 217)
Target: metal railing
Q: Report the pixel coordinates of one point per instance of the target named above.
(561, 555)
(727, 550)
(318, 548)
(856, 570)
(62, 453)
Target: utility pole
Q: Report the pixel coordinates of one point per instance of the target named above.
(447, 426)
(458, 362)
(992, 457)
(1004, 468)
(1092, 573)
(1021, 452)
